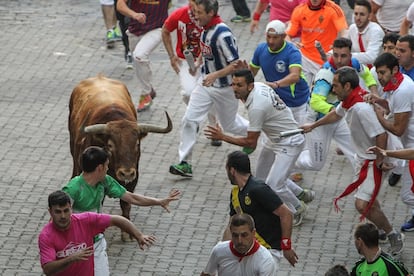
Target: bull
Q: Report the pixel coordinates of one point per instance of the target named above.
(101, 113)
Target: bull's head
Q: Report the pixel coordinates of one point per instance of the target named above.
(122, 140)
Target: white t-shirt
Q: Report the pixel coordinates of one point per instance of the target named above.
(223, 262)
(364, 126)
(371, 40)
(402, 100)
(392, 13)
(268, 113)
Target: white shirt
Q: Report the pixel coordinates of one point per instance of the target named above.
(410, 16)
(371, 39)
(223, 262)
(364, 126)
(392, 13)
(402, 100)
(268, 113)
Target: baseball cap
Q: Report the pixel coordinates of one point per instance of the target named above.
(278, 27)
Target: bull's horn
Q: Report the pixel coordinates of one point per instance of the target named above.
(95, 129)
(156, 129)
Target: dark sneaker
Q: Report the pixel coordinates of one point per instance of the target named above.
(408, 226)
(129, 62)
(183, 169)
(215, 143)
(393, 179)
(397, 243)
(306, 195)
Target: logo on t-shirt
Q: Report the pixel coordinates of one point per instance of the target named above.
(70, 249)
(247, 200)
(280, 66)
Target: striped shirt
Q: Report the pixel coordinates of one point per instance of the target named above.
(219, 49)
(156, 12)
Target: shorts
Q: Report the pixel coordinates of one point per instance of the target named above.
(107, 2)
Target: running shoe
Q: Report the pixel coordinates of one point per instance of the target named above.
(183, 169)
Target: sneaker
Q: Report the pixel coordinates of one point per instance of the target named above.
(237, 19)
(339, 151)
(247, 150)
(306, 195)
(382, 237)
(408, 226)
(183, 169)
(145, 101)
(110, 39)
(397, 243)
(300, 214)
(296, 177)
(246, 19)
(117, 34)
(215, 143)
(128, 59)
(393, 179)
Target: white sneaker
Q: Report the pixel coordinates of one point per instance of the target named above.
(300, 214)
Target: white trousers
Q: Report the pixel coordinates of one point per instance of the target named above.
(201, 101)
(318, 142)
(188, 83)
(309, 69)
(407, 196)
(274, 166)
(300, 113)
(142, 46)
(101, 265)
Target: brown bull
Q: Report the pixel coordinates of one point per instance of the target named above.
(101, 113)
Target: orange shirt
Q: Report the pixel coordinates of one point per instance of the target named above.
(322, 25)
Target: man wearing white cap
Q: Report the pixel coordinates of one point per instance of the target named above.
(281, 64)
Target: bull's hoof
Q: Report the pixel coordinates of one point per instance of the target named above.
(126, 237)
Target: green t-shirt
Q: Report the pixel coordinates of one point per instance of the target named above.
(384, 265)
(89, 199)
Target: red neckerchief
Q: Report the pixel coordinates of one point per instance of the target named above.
(353, 186)
(253, 250)
(315, 8)
(394, 82)
(213, 22)
(356, 96)
(411, 167)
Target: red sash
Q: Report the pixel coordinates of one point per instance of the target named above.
(362, 176)
(411, 167)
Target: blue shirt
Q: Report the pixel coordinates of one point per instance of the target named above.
(275, 66)
(409, 73)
